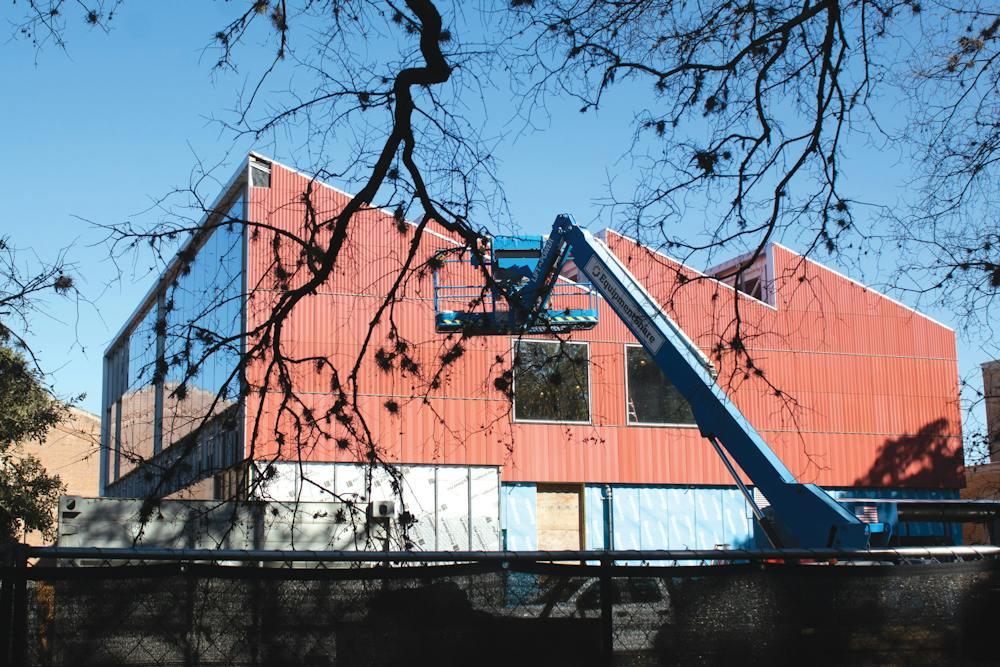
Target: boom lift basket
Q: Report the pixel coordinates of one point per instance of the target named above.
(462, 302)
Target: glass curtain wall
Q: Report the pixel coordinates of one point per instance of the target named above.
(179, 364)
(138, 402)
(203, 314)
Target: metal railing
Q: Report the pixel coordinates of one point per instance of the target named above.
(828, 556)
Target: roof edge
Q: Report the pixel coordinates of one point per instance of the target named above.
(689, 268)
(864, 287)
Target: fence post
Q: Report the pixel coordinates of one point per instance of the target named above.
(18, 583)
(6, 601)
(607, 617)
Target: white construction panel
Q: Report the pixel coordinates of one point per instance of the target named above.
(382, 485)
(447, 503)
(485, 509)
(418, 500)
(351, 481)
(318, 482)
(277, 481)
(453, 508)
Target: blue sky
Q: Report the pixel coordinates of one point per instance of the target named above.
(100, 132)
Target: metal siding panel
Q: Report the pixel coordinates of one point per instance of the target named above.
(738, 528)
(654, 517)
(709, 527)
(851, 406)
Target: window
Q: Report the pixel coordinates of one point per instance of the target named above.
(260, 173)
(651, 398)
(751, 286)
(551, 381)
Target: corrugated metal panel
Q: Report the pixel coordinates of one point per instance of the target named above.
(871, 382)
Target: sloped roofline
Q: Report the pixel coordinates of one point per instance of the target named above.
(768, 250)
(864, 287)
(688, 267)
(329, 186)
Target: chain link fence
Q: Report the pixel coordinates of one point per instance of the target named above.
(508, 609)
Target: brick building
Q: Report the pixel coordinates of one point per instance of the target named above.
(72, 451)
(983, 478)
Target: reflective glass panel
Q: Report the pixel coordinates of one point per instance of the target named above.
(551, 381)
(203, 309)
(652, 398)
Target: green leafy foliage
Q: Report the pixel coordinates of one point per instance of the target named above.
(27, 412)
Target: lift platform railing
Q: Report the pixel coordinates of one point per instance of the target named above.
(571, 305)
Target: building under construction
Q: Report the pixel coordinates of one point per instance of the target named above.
(516, 442)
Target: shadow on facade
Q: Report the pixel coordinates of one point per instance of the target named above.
(928, 458)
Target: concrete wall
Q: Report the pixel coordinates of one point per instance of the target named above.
(195, 524)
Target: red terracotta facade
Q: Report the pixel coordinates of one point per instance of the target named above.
(869, 388)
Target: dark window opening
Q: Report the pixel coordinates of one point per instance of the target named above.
(551, 381)
(652, 398)
(751, 287)
(260, 177)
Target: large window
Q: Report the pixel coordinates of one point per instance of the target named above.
(551, 381)
(203, 315)
(166, 372)
(651, 397)
(138, 402)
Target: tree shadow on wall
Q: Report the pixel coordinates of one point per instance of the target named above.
(928, 458)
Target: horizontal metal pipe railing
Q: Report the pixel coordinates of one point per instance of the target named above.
(881, 555)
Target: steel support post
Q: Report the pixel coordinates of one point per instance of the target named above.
(607, 613)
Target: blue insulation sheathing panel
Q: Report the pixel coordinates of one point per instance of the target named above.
(676, 517)
(593, 513)
(680, 517)
(518, 520)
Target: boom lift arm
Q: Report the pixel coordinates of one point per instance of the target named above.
(801, 515)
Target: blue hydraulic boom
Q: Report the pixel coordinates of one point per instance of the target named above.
(800, 515)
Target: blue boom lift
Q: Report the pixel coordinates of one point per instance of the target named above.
(800, 515)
